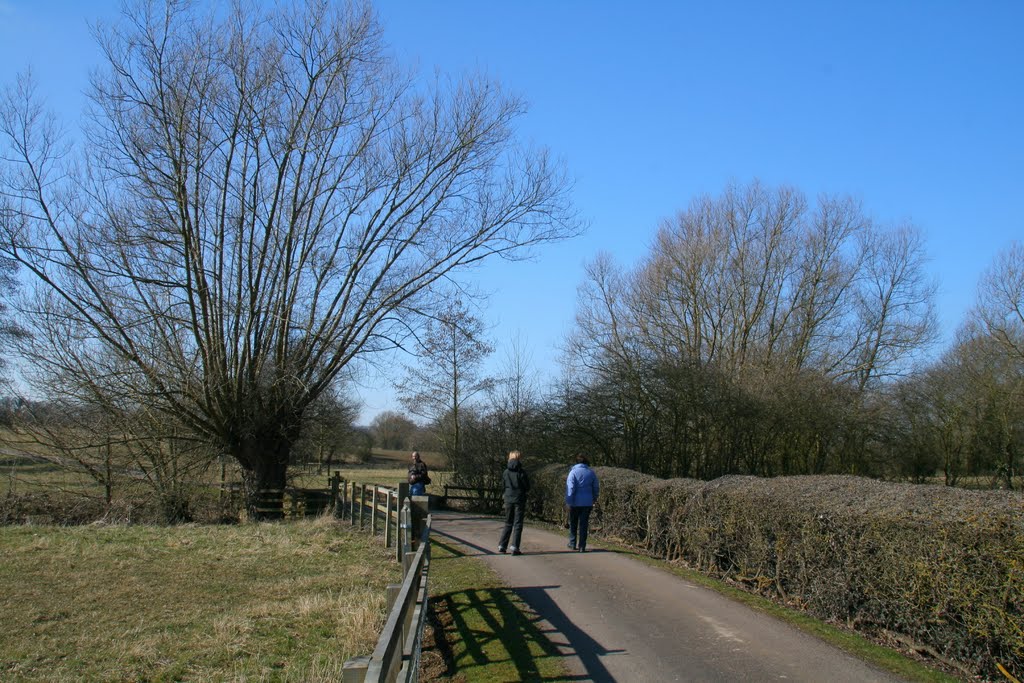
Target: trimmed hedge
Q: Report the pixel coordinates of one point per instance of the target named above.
(942, 566)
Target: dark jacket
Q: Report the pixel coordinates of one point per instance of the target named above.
(418, 473)
(516, 481)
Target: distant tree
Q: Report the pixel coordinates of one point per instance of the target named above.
(1000, 308)
(447, 376)
(9, 328)
(260, 200)
(934, 408)
(328, 431)
(992, 348)
(514, 397)
(119, 451)
(393, 431)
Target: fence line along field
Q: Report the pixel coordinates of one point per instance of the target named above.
(43, 486)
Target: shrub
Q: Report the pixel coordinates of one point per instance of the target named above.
(943, 566)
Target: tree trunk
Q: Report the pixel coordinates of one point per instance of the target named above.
(264, 474)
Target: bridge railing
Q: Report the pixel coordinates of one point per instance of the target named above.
(397, 654)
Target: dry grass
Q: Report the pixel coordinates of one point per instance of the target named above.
(282, 602)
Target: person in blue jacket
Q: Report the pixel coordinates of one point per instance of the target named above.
(581, 489)
(517, 484)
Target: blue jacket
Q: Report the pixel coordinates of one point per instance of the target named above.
(581, 486)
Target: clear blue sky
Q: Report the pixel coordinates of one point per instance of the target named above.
(914, 107)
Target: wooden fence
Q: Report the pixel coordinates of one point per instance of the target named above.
(479, 494)
(397, 654)
(404, 521)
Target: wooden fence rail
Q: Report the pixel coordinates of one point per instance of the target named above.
(397, 654)
(479, 494)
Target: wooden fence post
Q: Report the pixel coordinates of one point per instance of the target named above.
(373, 512)
(352, 508)
(354, 670)
(393, 590)
(362, 505)
(387, 519)
(400, 539)
(335, 487)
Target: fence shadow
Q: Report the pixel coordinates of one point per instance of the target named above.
(498, 625)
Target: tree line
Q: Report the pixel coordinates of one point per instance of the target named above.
(262, 202)
(769, 335)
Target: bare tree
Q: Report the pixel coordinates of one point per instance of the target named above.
(260, 200)
(1000, 308)
(328, 431)
(894, 306)
(448, 375)
(995, 337)
(10, 330)
(515, 394)
(744, 299)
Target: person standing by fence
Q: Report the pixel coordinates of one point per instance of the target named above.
(581, 489)
(517, 484)
(419, 477)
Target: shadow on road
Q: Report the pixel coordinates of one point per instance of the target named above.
(578, 642)
(482, 628)
(492, 626)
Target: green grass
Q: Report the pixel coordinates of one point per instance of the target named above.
(25, 475)
(281, 602)
(482, 630)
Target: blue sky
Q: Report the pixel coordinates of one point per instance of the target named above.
(914, 108)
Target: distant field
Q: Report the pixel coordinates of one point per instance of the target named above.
(385, 467)
(434, 460)
(25, 474)
(253, 602)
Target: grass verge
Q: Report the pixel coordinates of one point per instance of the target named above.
(260, 602)
(480, 630)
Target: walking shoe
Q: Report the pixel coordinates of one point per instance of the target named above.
(571, 546)
(501, 549)
(582, 549)
(515, 551)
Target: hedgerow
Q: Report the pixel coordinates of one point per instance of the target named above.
(941, 567)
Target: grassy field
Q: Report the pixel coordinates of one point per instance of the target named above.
(261, 602)
(387, 468)
(24, 475)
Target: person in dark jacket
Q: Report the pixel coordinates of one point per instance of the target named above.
(419, 476)
(517, 485)
(581, 489)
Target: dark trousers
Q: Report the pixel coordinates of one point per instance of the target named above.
(514, 514)
(579, 525)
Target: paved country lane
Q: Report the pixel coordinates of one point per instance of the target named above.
(618, 619)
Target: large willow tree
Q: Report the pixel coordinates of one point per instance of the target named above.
(259, 199)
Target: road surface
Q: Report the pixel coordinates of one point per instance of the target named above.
(618, 619)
